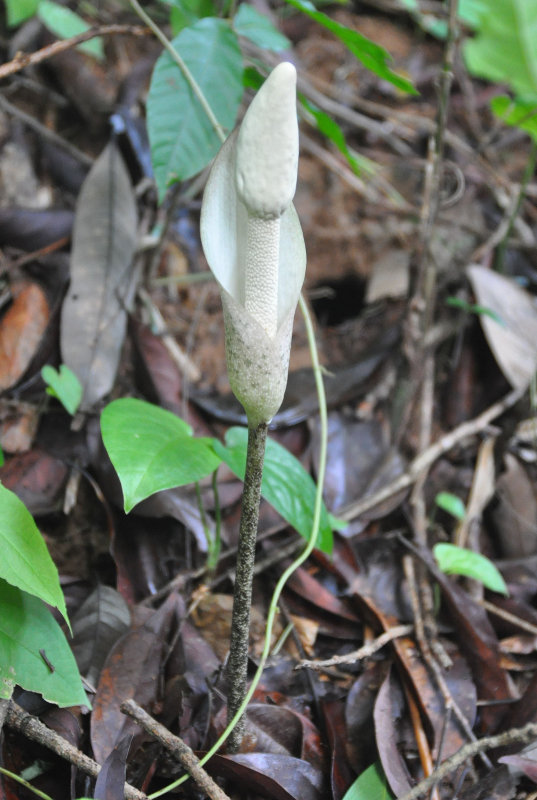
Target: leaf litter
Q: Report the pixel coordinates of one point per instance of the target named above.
(149, 622)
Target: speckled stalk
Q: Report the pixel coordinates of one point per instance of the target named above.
(242, 600)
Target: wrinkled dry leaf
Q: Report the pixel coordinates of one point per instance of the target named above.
(515, 515)
(94, 313)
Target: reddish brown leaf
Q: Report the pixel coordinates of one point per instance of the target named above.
(274, 777)
(37, 479)
(341, 774)
(389, 709)
(110, 783)
(131, 671)
(21, 330)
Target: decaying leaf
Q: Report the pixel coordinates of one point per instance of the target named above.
(21, 331)
(94, 313)
(512, 336)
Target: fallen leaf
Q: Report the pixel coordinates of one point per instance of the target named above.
(512, 335)
(94, 313)
(21, 330)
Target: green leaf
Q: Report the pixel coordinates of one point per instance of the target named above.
(26, 562)
(329, 128)
(187, 12)
(64, 23)
(455, 560)
(452, 504)
(20, 10)
(370, 54)
(286, 485)
(152, 449)
(64, 385)
(504, 48)
(182, 138)
(520, 112)
(249, 22)
(474, 308)
(34, 652)
(370, 785)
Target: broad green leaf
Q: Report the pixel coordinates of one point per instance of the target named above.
(64, 385)
(370, 785)
(20, 10)
(455, 560)
(34, 652)
(372, 55)
(520, 112)
(249, 22)
(26, 562)
(504, 48)
(64, 23)
(187, 12)
(152, 449)
(183, 140)
(452, 504)
(286, 485)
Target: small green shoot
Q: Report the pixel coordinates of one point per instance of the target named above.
(64, 386)
(370, 785)
(474, 308)
(454, 560)
(452, 504)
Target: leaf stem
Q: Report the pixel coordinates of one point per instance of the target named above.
(305, 554)
(237, 667)
(192, 82)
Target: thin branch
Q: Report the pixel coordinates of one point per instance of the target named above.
(513, 736)
(177, 748)
(33, 729)
(425, 459)
(23, 60)
(366, 651)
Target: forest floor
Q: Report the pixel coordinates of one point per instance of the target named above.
(388, 661)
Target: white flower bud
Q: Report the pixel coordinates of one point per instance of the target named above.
(254, 245)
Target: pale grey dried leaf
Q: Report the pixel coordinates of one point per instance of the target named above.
(97, 625)
(103, 280)
(512, 337)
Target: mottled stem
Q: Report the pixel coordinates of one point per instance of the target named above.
(242, 599)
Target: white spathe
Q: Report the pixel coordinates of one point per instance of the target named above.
(253, 243)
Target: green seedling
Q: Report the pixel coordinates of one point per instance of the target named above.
(452, 504)
(453, 560)
(474, 308)
(64, 386)
(370, 785)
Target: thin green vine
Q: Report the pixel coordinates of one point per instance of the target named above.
(194, 85)
(273, 608)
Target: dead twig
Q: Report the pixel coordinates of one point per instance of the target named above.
(425, 459)
(363, 652)
(513, 736)
(32, 728)
(23, 60)
(177, 748)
